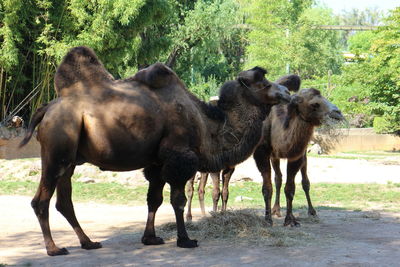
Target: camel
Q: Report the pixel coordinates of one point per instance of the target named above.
(292, 82)
(287, 132)
(150, 121)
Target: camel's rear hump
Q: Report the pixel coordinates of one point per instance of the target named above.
(80, 65)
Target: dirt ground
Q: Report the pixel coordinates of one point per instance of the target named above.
(338, 238)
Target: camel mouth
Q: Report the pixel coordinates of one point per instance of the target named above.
(336, 115)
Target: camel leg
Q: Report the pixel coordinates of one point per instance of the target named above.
(290, 187)
(262, 157)
(201, 191)
(154, 201)
(276, 209)
(216, 191)
(65, 207)
(305, 182)
(40, 202)
(178, 201)
(189, 193)
(179, 167)
(226, 176)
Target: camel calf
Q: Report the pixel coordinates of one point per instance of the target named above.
(287, 132)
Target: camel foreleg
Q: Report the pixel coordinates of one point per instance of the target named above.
(290, 187)
(276, 209)
(226, 177)
(262, 157)
(305, 182)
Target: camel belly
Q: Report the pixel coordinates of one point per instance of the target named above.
(122, 143)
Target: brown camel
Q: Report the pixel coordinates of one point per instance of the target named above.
(287, 132)
(148, 121)
(292, 82)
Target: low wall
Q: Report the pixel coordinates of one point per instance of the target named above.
(9, 148)
(354, 139)
(358, 139)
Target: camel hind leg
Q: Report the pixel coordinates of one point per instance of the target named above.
(65, 207)
(40, 204)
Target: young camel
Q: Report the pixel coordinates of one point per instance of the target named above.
(287, 132)
(148, 121)
(292, 82)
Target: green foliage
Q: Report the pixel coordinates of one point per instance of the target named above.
(284, 38)
(379, 72)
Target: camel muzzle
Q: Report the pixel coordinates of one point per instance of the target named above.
(336, 114)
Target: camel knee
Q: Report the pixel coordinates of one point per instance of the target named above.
(306, 185)
(216, 194)
(179, 201)
(201, 193)
(225, 194)
(40, 207)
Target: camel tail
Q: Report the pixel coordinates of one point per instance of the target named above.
(36, 119)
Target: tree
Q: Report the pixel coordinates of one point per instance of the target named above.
(284, 38)
(379, 72)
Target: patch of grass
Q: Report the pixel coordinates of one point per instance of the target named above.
(324, 195)
(33, 172)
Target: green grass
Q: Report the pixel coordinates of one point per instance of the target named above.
(324, 196)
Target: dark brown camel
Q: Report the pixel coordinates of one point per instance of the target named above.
(148, 121)
(287, 132)
(292, 82)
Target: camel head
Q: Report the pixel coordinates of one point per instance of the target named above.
(314, 108)
(256, 86)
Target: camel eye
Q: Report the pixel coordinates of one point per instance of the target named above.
(315, 106)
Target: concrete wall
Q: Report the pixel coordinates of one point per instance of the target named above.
(354, 139)
(359, 139)
(9, 148)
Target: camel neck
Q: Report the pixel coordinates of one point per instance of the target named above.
(236, 137)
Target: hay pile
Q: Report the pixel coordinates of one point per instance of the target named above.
(245, 226)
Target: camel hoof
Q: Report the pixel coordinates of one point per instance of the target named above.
(57, 252)
(269, 221)
(291, 222)
(186, 243)
(91, 245)
(189, 218)
(312, 212)
(152, 240)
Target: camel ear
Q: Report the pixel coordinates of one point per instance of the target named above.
(156, 76)
(291, 82)
(248, 77)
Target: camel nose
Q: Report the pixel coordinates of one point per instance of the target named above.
(336, 114)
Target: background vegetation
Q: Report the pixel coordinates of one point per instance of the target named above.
(206, 42)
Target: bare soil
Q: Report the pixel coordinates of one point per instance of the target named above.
(337, 238)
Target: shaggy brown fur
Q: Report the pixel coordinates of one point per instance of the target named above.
(292, 82)
(287, 131)
(148, 121)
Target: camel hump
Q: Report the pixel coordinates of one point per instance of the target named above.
(80, 64)
(156, 76)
